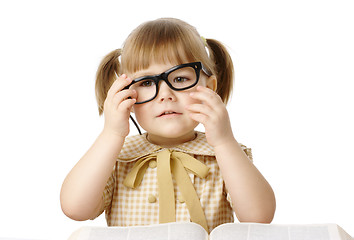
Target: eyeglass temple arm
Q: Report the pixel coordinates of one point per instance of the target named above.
(136, 125)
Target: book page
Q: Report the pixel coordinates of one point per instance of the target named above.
(230, 231)
(252, 231)
(344, 235)
(167, 231)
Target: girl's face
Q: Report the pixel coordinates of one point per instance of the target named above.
(165, 118)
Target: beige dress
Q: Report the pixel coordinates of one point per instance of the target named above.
(125, 206)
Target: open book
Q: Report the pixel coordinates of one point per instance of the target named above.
(228, 231)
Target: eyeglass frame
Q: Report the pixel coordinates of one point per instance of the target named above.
(197, 66)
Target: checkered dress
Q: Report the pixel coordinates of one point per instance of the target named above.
(131, 207)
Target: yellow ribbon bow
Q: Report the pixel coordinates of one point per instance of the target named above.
(176, 163)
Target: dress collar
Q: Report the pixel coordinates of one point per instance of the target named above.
(138, 146)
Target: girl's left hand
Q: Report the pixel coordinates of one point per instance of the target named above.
(212, 113)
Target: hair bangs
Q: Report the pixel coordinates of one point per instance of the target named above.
(161, 42)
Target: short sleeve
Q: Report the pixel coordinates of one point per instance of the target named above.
(228, 197)
(107, 193)
(248, 151)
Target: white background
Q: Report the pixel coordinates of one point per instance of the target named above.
(293, 99)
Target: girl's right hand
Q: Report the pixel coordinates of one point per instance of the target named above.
(117, 107)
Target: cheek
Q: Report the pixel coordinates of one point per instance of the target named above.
(139, 112)
(138, 108)
(143, 113)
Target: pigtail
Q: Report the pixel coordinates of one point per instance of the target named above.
(224, 68)
(105, 76)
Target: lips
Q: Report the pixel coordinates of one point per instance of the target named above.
(168, 113)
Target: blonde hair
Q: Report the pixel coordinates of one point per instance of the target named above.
(165, 40)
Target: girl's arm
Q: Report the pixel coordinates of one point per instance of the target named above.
(81, 193)
(252, 197)
(82, 189)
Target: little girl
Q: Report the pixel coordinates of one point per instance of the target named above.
(172, 79)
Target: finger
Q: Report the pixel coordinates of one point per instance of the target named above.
(206, 95)
(205, 114)
(127, 104)
(205, 89)
(119, 85)
(199, 117)
(200, 108)
(114, 101)
(123, 95)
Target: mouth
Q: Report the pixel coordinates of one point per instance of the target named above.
(168, 113)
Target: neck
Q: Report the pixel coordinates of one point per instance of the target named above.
(168, 142)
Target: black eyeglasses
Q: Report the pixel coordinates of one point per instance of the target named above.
(178, 78)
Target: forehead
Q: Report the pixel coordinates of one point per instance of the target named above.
(153, 69)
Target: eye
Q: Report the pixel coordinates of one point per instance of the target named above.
(180, 79)
(147, 83)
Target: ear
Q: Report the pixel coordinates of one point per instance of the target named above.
(212, 83)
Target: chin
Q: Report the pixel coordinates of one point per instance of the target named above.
(172, 132)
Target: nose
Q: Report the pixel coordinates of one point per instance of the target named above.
(165, 93)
